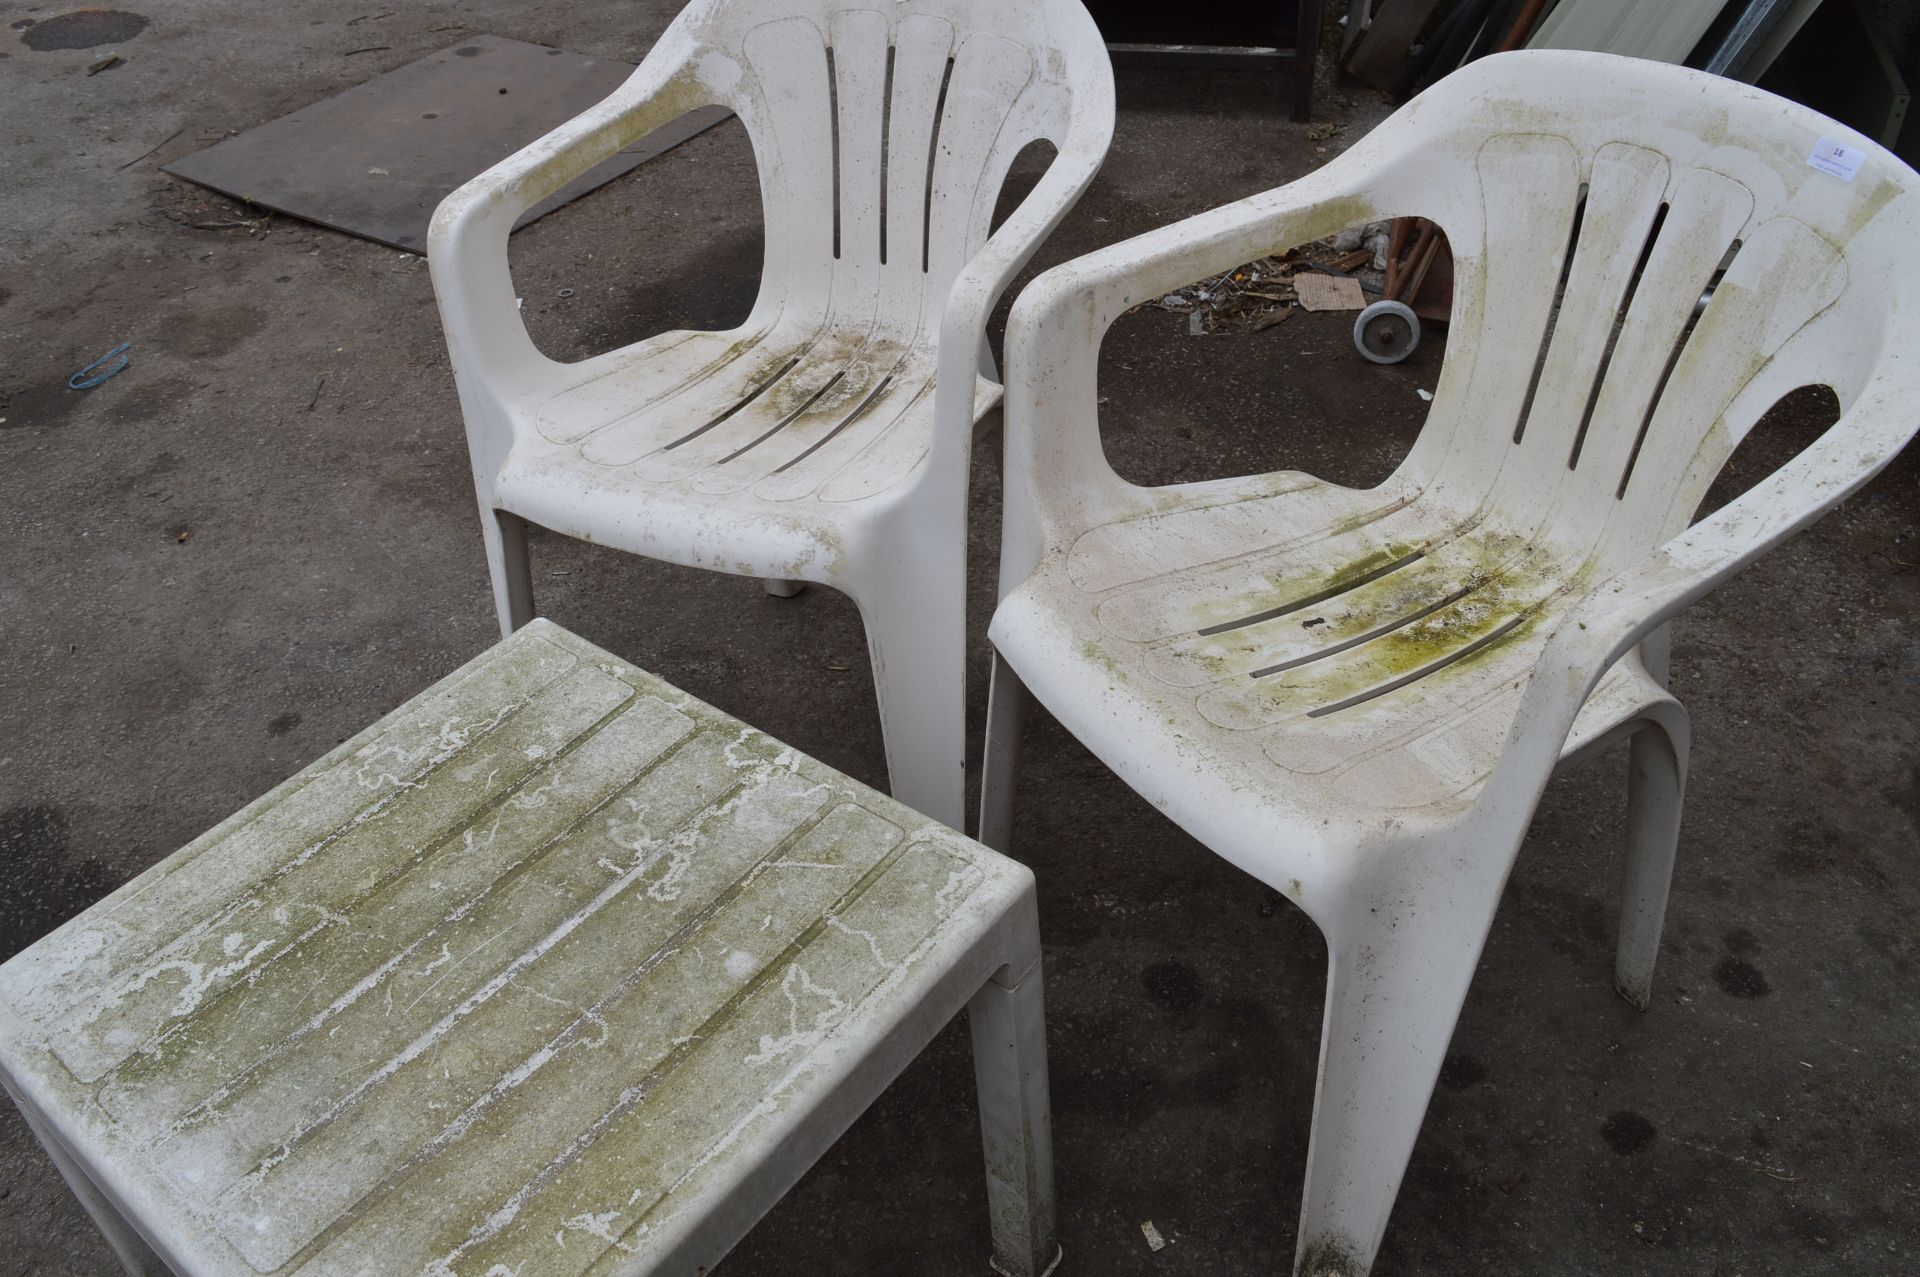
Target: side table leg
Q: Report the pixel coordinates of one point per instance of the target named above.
(134, 1253)
(1016, 1124)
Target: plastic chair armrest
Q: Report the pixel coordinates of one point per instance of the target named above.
(1056, 327)
(467, 242)
(979, 286)
(1622, 610)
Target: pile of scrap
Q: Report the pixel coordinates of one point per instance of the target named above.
(1394, 273)
(1418, 285)
(1419, 268)
(1330, 274)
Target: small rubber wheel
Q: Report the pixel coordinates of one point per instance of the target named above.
(1386, 332)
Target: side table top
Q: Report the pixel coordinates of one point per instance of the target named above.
(499, 980)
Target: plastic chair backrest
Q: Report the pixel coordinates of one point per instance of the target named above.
(1645, 261)
(883, 134)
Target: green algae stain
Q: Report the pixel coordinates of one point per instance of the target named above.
(1293, 588)
(1504, 602)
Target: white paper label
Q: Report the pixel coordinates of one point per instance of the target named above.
(1836, 159)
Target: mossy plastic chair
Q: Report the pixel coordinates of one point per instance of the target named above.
(1358, 696)
(826, 438)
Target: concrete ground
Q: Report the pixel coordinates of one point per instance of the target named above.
(209, 575)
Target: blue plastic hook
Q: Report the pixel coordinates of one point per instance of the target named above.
(80, 380)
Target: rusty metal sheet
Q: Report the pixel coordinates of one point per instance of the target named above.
(376, 160)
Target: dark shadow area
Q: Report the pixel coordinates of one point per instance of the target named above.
(47, 881)
(1203, 93)
(1225, 22)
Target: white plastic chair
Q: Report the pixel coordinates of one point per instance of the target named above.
(1358, 696)
(826, 439)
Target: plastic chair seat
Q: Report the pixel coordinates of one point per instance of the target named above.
(802, 430)
(1347, 649)
(555, 970)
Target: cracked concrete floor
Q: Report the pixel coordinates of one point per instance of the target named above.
(208, 576)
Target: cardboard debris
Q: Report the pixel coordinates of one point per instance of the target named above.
(1328, 292)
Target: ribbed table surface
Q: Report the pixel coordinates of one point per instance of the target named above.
(490, 988)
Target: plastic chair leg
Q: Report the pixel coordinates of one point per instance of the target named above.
(916, 636)
(781, 588)
(505, 536)
(1395, 985)
(1656, 788)
(1016, 1125)
(1007, 700)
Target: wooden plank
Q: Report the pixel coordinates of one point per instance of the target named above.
(1382, 50)
(375, 160)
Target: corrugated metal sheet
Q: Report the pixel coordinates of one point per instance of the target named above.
(1663, 30)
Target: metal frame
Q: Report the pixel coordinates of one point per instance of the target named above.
(1229, 57)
